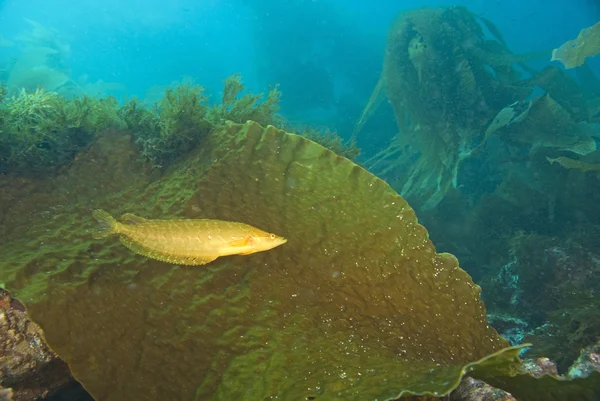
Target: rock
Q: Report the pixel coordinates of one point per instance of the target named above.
(540, 366)
(30, 369)
(475, 390)
(588, 362)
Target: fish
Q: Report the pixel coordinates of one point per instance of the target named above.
(191, 242)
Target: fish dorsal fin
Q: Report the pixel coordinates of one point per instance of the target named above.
(241, 241)
(132, 219)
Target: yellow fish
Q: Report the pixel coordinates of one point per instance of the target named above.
(185, 242)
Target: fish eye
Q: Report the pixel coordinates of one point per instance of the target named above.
(272, 236)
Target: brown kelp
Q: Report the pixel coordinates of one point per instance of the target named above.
(239, 105)
(573, 53)
(357, 305)
(445, 82)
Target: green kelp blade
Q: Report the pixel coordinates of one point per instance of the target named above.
(574, 52)
(358, 305)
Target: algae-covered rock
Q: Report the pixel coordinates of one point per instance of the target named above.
(475, 390)
(357, 305)
(29, 368)
(587, 363)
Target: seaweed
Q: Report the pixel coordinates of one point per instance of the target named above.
(170, 129)
(551, 284)
(580, 165)
(445, 83)
(42, 131)
(248, 106)
(574, 52)
(568, 330)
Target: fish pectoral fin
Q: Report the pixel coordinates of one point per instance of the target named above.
(241, 242)
(132, 219)
(247, 253)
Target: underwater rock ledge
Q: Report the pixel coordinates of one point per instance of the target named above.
(30, 369)
(357, 305)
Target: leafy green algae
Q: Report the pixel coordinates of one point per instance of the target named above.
(357, 305)
(41, 131)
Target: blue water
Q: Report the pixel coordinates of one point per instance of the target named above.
(326, 55)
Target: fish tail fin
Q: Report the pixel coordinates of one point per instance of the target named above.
(108, 224)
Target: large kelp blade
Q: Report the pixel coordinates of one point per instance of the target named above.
(574, 52)
(356, 306)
